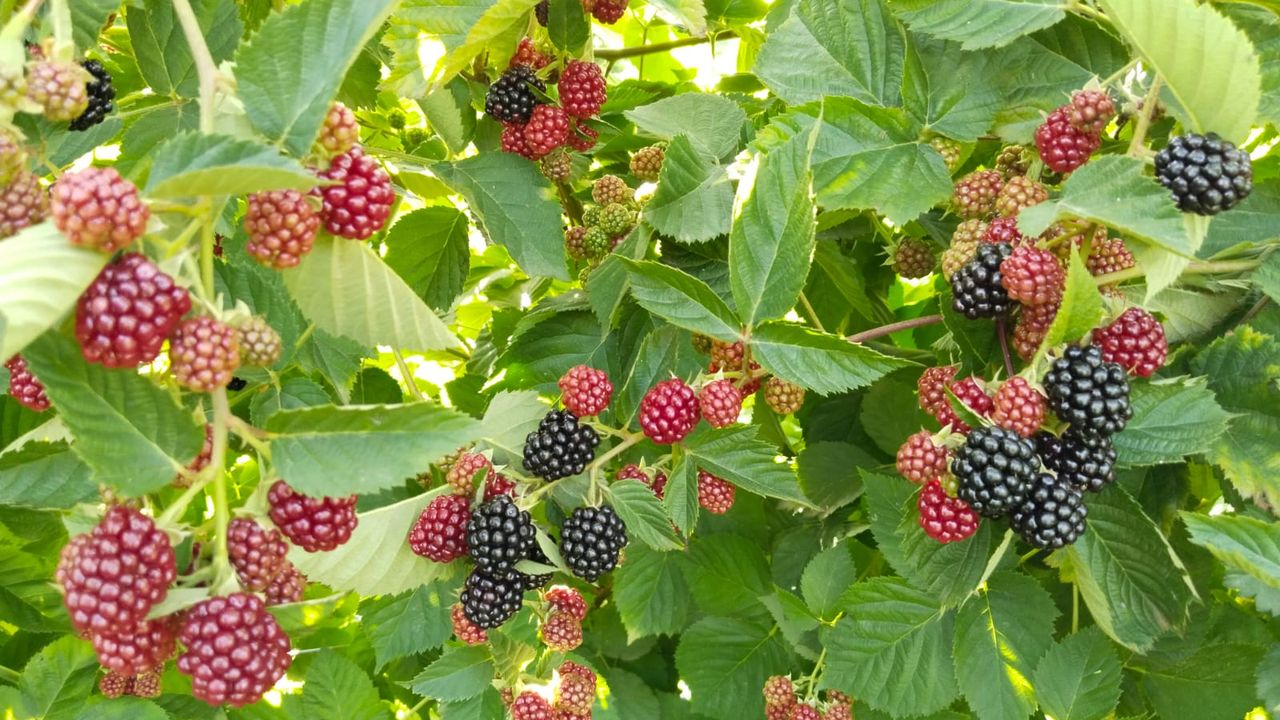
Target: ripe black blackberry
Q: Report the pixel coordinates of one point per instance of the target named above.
(560, 447)
(1083, 460)
(1087, 392)
(976, 287)
(101, 97)
(1051, 515)
(590, 541)
(995, 468)
(1205, 173)
(511, 98)
(499, 535)
(489, 601)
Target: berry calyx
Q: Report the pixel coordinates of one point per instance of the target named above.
(784, 398)
(720, 402)
(512, 97)
(715, 495)
(547, 129)
(440, 533)
(646, 164)
(590, 541)
(257, 554)
(913, 258)
(235, 650)
(995, 468)
(567, 600)
(977, 288)
(1032, 276)
(1135, 341)
(611, 189)
(582, 89)
(585, 391)
(1088, 392)
(314, 524)
(1090, 110)
(465, 630)
(489, 601)
(499, 535)
(464, 471)
(359, 202)
(24, 387)
(920, 460)
(975, 194)
(281, 225)
(96, 208)
(59, 88)
(101, 96)
(561, 632)
(23, 203)
(203, 354)
(1018, 407)
(944, 518)
(1063, 147)
(124, 316)
(560, 447)
(1051, 516)
(259, 343)
(1205, 174)
(668, 411)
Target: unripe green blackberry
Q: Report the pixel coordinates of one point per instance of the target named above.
(591, 216)
(396, 118)
(646, 164)
(12, 157)
(59, 88)
(13, 86)
(969, 231)
(259, 343)
(597, 242)
(783, 397)
(616, 219)
(611, 189)
(949, 150)
(1012, 162)
(957, 256)
(913, 258)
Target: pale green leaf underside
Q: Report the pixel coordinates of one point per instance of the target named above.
(41, 277)
(192, 164)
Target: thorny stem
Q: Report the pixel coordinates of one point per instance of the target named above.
(1145, 114)
(891, 328)
(206, 69)
(409, 380)
(622, 53)
(1002, 330)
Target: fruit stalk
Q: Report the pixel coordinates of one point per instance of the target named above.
(878, 332)
(1148, 110)
(206, 69)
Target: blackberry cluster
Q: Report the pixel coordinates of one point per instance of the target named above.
(1205, 173)
(976, 287)
(560, 447)
(500, 535)
(1051, 515)
(512, 97)
(1083, 460)
(488, 601)
(995, 468)
(1089, 393)
(590, 541)
(101, 97)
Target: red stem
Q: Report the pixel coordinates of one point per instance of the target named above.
(883, 330)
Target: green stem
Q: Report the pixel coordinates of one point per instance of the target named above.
(179, 506)
(811, 691)
(615, 451)
(421, 703)
(9, 675)
(207, 242)
(1120, 73)
(221, 507)
(1075, 608)
(206, 69)
(409, 380)
(813, 315)
(1136, 146)
(622, 53)
(64, 43)
(1194, 268)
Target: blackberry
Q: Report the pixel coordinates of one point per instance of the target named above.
(1004, 229)
(24, 387)
(1108, 255)
(529, 705)
(281, 225)
(1033, 326)
(576, 691)
(314, 524)
(203, 354)
(582, 137)
(1051, 515)
(731, 357)
(542, 11)
(957, 256)
(535, 582)
(597, 242)
(1032, 276)
(465, 630)
(715, 495)
(969, 231)
(779, 690)
(1088, 392)
(59, 88)
(489, 601)
(1018, 406)
(977, 288)
(1012, 161)
(1083, 460)
(237, 384)
(972, 395)
(784, 398)
(96, 208)
(1063, 147)
(114, 685)
(512, 97)
(1205, 173)
(147, 684)
(257, 554)
(513, 141)
(975, 194)
(944, 518)
(646, 164)
(124, 317)
(609, 11)
(142, 649)
(259, 343)
(339, 133)
(575, 242)
(527, 53)
(720, 402)
(617, 218)
(567, 600)
(1135, 341)
(804, 712)
(287, 587)
(440, 533)
(464, 470)
(668, 411)
(931, 387)
(235, 650)
(561, 632)
(912, 258)
(1090, 110)
(359, 204)
(949, 150)
(657, 483)
(101, 97)
(1019, 194)
(995, 468)
(585, 391)
(590, 540)
(201, 461)
(547, 129)
(499, 535)
(496, 485)
(557, 166)
(582, 89)
(611, 189)
(560, 447)
(23, 203)
(920, 460)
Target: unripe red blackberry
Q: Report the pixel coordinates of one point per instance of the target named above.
(465, 630)
(235, 650)
(575, 242)
(1012, 161)
(957, 256)
(557, 166)
(529, 55)
(970, 392)
(567, 600)
(777, 712)
(547, 129)
(720, 402)
(582, 89)
(657, 482)
(944, 518)
(1004, 230)
(496, 485)
(512, 97)
(591, 539)
(912, 258)
(23, 203)
(561, 632)
(931, 387)
(13, 86)
(530, 705)
(1205, 174)
(920, 460)
(96, 208)
(576, 691)
(646, 163)
(144, 648)
(462, 473)
(287, 587)
(1018, 407)
(609, 11)
(440, 533)
(24, 387)
(259, 343)
(257, 554)
(281, 225)
(804, 712)
(582, 137)
(611, 189)
(359, 204)
(585, 391)
(101, 96)
(715, 495)
(314, 524)
(1032, 327)
(1064, 148)
(59, 88)
(783, 397)
(949, 150)
(1108, 255)
(113, 575)
(114, 685)
(513, 142)
(1090, 110)
(839, 711)
(1135, 341)
(203, 354)
(975, 194)
(778, 690)
(125, 315)
(669, 411)
(1019, 194)
(339, 133)
(1032, 276)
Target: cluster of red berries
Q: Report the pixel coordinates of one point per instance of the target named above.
(781, 703)
(574, 695)
(1073, 132)
(533, 128)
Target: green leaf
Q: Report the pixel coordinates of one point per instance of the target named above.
(952, 92)
(338, 688)
(56, 682)
(890, 649)
(88, 17)
(499, 19)
(345, 288)
(1079, 678)
(681, 299)
(1000, 634)
(725, 662)
(449, 112)
(461, 673)
(694, 199)
(609, 283)
(293, 393)
(45, 475)
(1267, 277)
(193, 164)
(331, 450)
(663, 353)
(826, 579)
(1269, 680)
(411, 623)
(1171, 419)
(1081, 309)
(771, 244)
(651, 593)
(376, 560)
(834, 47)
(127, 429)
(161, 50)
(1128, 575)
(979, 24)
(516, 207)
(508, 420)
(681, 497)
(123, 708)
(865, 156)
(1208, 65)
(1250, 550)
(643, 515)
(428, 249)
(823, 363)
(286, 94)
(484, 706)
(1216, 683)
(711, 124)
(567, 25)
(690, 15)
(41, 277)
(416, 19)
(727, 574)
(736, 455)
(829, 472)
